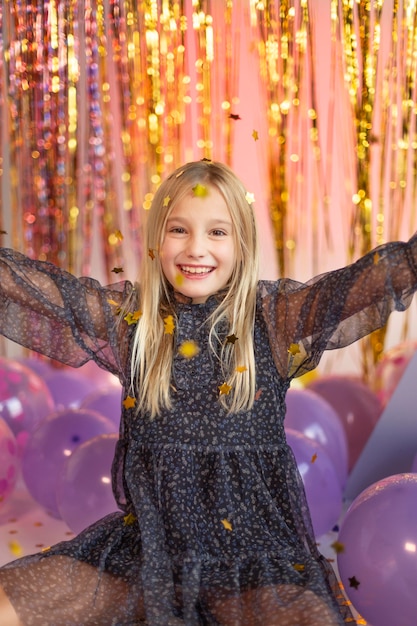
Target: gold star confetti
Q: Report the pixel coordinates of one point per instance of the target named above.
(129, 402)
(167, 200)
(353, 582)
(117, 270)
(188, 349)
(338, 547)
(250, 197)
(179, 279)
(294, 349)
(314, 458)
(113, 302)
(227, 524)
(376, 258)
(118, 235)
(169, 325)
(255, 135)
(241, 368)
(231, 338)
(151, 253)
(179, 174)
(234, 116)
(132, 318)
(299, 567)
(225, 389)
(200, 190)
(15, 548)
(129, 519)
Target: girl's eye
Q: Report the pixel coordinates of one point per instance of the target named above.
(177, 229)
(218, 233)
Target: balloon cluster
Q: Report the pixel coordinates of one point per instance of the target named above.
(58, 431)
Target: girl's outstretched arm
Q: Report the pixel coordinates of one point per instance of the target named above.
(52, 312)
(337, 308)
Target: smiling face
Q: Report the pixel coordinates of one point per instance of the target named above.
(198, 252)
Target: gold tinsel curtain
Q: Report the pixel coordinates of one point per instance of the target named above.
(100, 99)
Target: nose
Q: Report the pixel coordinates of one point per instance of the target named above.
(195, 247)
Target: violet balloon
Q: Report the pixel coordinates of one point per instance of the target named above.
(321, 484)
(50, 444)
(9, 462)
(24, 399)
(357, 406)
(378, 566)
(107, 402)
(68, 388)
(310, 414)
(84, 492)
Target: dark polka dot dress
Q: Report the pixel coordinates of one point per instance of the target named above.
(213, 527)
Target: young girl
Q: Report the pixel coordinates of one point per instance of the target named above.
(213, 526)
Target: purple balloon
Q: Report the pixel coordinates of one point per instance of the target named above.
(321, 483)
(310, 414)
(84, 492)
(357, 406)
(24, 399)
(9, 462)
(378, 566)
(107, 402)
(50, 444)
(68, 388)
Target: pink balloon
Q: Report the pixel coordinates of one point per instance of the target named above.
(310, 414)
(378, 566)
(50, 444)
(390, 369)
(357, 406)
(9, 462)
(321, 483)
(24, 399)
(84, 492)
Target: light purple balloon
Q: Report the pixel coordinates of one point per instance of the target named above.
(310, 414)
(321, 483)
(84, 492)
(378, 566)
(9, 462)
(24, 399)
(68, 387)
(107, 402)
(357, 406)
(50, 444)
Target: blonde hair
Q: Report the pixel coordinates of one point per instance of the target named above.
(152, 352)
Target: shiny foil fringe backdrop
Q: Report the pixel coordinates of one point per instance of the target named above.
(100, 99)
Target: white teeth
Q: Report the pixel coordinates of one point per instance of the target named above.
(196, 270)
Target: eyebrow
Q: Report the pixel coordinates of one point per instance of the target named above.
(213, 221)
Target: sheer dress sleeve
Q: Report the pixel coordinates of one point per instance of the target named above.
(337, 308)
(50, 311)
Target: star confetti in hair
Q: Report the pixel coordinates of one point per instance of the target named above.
(132, 318)
(200, 191)
(225, 389)
(167, 200)
(227, 525)
(250, 197)
(231, 339)
(129, 402)
(241, 369)
(188, 349)
(376, 258)
(151, 253)
(169, 325)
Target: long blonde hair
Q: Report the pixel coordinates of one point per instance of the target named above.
(152, 352)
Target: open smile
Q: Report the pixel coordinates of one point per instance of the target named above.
(193, 270)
